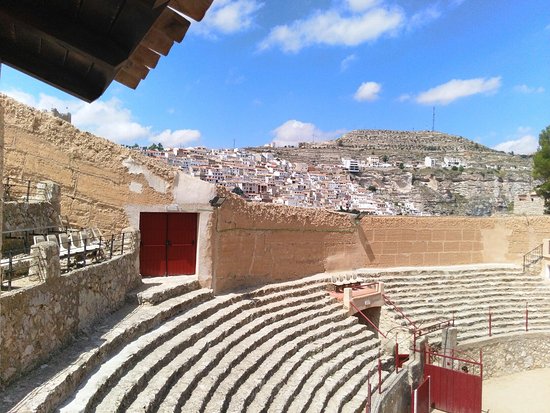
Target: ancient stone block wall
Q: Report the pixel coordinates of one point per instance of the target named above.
(36, 321)
(514, 353)
(22, 215)
(257, 244)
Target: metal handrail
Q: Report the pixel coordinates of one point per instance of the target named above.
(368, 320)
(11, 189)
(399, 310)
(532, 257)
(102, 249)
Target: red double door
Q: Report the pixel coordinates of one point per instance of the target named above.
(168, 243)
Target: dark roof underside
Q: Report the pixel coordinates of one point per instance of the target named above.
(81, 46)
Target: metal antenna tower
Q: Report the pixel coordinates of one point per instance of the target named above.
(433, 119)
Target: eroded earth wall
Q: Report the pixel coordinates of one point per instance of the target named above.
(259, 243)
(98, 178)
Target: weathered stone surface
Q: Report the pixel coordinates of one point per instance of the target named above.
(34, 214)
(259, 243)
(510, 354)
(45, 261)
(36, 321)
(93, 173)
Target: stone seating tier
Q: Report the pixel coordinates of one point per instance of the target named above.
(467, 295)
(186, 350)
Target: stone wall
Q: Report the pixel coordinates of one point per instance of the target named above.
(528, 205)
(102, 184)
(36, 321)
(42, 211)
(98, 178)
(509, 354)
(1, 167)
(258, 243)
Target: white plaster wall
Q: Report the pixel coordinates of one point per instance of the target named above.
(154, 181)
(189, 195)
(189, 190)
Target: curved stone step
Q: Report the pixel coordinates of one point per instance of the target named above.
(334, 387)
(295, 395)
(358, 402)
(321, 350)
(208, 331)
(301, 402)
(116, 330)
(289, 357)
(244, 383)
(95, 388)
(435, 290)
(285, 330)
(109, 373)
(417, 278)
(169, 288)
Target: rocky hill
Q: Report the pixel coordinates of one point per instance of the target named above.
(487, 184)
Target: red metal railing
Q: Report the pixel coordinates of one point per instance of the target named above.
(399, 310)
(419, 332)
(431, 355)
(532, 257)
(368, 320)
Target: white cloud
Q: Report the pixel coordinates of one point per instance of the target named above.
(293, 131)
(367, 91)
(528, 90)
(331, 27)
(424, 17)
(111, 120)
(525, 145)
(457, 89)
(361, 5)
(177, 138)
(405, 97)
(348, 60)
(108, 119)
(228, 17)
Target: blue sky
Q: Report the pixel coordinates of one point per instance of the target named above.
(254, 72)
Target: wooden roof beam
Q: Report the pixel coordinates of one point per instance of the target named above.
(54, 75)
(155, 3)
(127, 79)
(157, 41)
(135, 69)
(196, 9)
(59, 30)
(172, 24)
(144, 56)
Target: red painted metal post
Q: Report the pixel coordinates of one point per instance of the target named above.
(396, 356)
(368, 320)
(526, 317)
(490, 321)
(481, 364)
(379, 374)
(369, 396)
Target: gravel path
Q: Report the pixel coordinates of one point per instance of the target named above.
(527, 391)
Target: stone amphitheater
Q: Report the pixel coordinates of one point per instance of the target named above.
(285, 347)
(254, 329)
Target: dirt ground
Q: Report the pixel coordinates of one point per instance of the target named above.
(527, 392)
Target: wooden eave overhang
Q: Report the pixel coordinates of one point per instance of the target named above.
(81, 46)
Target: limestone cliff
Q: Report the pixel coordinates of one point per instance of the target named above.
(487, 184)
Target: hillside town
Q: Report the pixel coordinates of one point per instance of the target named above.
(265, 177)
